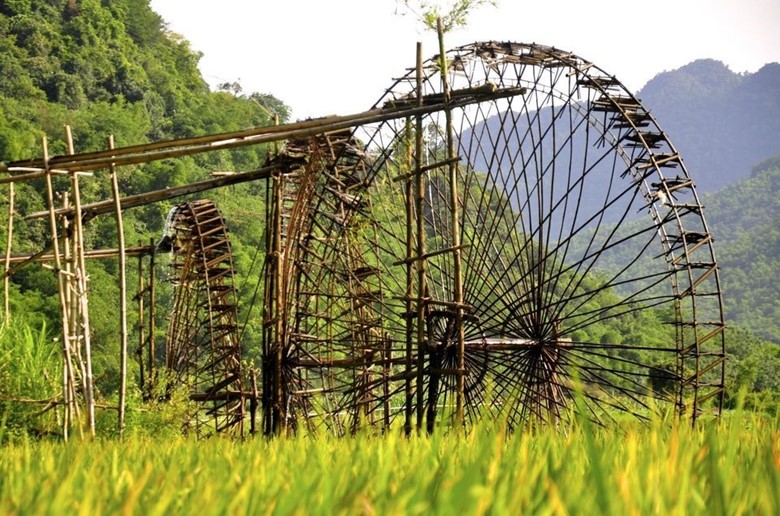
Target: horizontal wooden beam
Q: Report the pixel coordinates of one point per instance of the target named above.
(132, 201)
(167, 149)
(93, 254)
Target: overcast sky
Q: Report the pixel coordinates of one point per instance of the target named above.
(324, 57)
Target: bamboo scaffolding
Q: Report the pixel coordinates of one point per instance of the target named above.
(122, 295)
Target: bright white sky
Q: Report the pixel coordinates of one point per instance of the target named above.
(324, 57)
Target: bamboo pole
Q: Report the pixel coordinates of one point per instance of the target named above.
(122, 296)
(410, 322)
(68, 386)
(62, 291)
(8, 246)
(152, 328)
(268, 313)
(92, 254)
(70, 299)
(32, 174)
(132, 201)
(456, 247)
(188, 146)
(278, 403)
(83, 303)
(253, 402)
(420, 247)
(141, 325)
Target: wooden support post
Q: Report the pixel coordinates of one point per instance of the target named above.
(141, 325)
(68, 378)
(455, 205)
(387, 372)
(268, 309)
(122, 296)
(253, 401)
(8, 246)
(83, 303)
(420, 247)
(278, 395)
(72, 311)
(408, 306)
(152, 312)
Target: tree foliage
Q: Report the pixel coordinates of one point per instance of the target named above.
(113, 68)
(453, 13)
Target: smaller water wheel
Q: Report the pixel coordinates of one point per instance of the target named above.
(202, 346)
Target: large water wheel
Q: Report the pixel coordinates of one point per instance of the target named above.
(512, 290)
(202, 347)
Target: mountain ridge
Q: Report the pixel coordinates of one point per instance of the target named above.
(722, 122)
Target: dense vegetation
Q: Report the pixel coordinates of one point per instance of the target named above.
(744, 218)
(731, 468)
(113, 68)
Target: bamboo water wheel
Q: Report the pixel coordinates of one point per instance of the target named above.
(487, 260)
(202, 346)
(490, 242)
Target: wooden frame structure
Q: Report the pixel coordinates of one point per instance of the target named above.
(353, 337)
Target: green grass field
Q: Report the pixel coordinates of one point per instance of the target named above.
(728, 468)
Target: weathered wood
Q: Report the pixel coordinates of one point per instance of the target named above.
(427, 168)
(83, 302)
(152, 327)
(409, 292)
(253, 402)
(33, 174)
(74, 412)
(419, 205)
(141, 326)
(431, 254)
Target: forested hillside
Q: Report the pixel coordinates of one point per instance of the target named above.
(745, 220)
(113, 68)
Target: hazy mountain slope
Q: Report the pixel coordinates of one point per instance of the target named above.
(720, 121)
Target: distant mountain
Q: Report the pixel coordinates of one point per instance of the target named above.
(720, 121)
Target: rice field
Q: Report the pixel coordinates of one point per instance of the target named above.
(727, 468)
